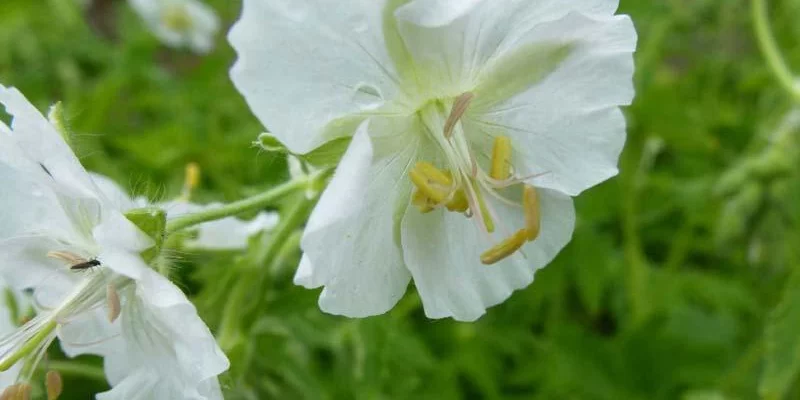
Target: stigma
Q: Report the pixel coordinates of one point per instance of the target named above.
(463, 186)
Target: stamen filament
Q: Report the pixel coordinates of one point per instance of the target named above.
(487, 218)
(505, 248)
(30, 345)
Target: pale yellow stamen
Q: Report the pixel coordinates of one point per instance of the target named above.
(435, 187)
(54, 385)
(191, 180)
(530, 203)
(66, 256)
(19, 391)
(501, 159)
(460, 106)
(422, 202)
(112, 300)
(505, 248)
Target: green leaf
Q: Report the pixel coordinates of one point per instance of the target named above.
(782, 353)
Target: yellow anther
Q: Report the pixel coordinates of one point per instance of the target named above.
(191, 180)
(19, 391)
(422, 202)
(432, 182)
(459, 202)
(505, 248)
(192, 175)
(54, 385)
(460, 106)
(501, 158)
(530, 203)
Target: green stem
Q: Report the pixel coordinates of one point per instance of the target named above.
(256, 202)
(77, 369)
(770, 50)
(249, 279)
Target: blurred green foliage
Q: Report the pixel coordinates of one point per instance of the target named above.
(681, 282)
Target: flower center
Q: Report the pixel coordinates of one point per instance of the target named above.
(464, 186)
(177, 18)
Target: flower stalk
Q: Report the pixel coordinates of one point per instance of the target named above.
(253, 203)
(770, 50)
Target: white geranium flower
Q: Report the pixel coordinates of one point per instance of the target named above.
(61, 238)
(228, 233)
(478, 102)
(7, 327)
(180, 23)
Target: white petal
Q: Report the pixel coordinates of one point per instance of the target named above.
(200, 34)
(451, 41)
(567, 126)
(24, 264)
(7, 326)
(442, 251)
(90, 333)
(350, 241)
(162, 332)
(432, 13)
(37, 148)
(304, 64)
(114, 193)
(304, 276)
(31, 207)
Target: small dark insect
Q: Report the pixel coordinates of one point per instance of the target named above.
(85, 265)
(76, 262)
(47, 171)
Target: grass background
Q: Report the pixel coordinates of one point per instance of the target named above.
(680, 283)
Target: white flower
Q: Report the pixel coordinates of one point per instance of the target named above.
(60, 237)
(180, 23)
(228, 233)
(478, 101)
(7, 327)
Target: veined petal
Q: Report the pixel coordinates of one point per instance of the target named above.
(568, 126)
(35, 147)
(163, 335)
(305, 64)
(351, 243)
(442, 251)
(31, 205)
(24, 264)
(452, 41)
(432, 13)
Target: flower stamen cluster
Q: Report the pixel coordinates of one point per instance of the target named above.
(461, 188)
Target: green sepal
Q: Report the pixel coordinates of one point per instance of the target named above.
(59, 121)
(153, 222)
(270, 143)
(328, 154)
